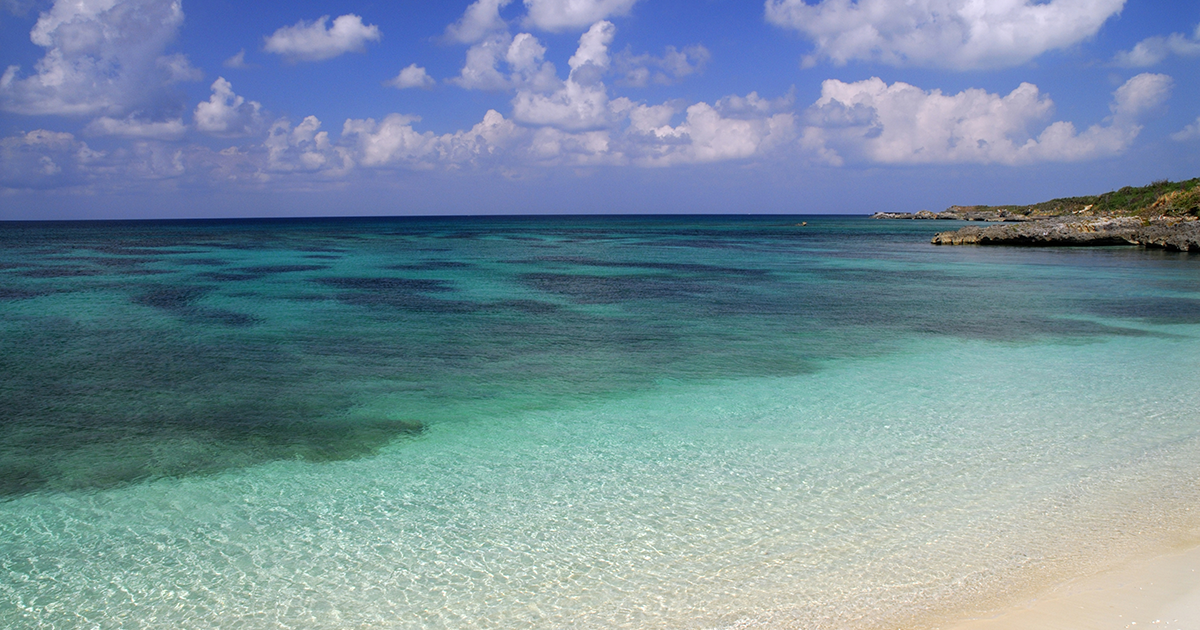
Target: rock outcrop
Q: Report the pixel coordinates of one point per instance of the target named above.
(956, 213)
(1162, 233)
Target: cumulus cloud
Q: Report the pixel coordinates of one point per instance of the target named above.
(574, 121)
(955, 34)
(482, 18)
(753, 104)
(317, 41)
(102, 57)
(237, 61)
(673, 65)
(132, 127)
(1153, 50)
(413, 76)
(523, 56)
(390, 140)
(494, 137)
(178, 68)
(901, 124)
(1190, 132)
(394, 142)
(561, 15)
(706, 135)
(43, 159)
(304, 148)
(480, 71)
(526, 56)
(146, 161)
(582, 101)
(1140, 95)
(226, 114)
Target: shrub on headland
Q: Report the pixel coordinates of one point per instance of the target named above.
(1160, 198)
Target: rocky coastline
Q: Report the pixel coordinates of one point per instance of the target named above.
(958, 213)
(1163, 233)
(1163, 215)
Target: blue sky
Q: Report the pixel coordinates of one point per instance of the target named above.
(163, 108)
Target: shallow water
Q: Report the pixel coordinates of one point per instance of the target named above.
(550, 422)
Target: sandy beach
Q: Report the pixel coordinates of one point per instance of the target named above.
(1162, 593)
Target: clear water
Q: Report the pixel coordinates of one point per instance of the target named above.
(578, 422)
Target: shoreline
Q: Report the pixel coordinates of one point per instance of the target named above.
(1169, 233)
(1160, 592)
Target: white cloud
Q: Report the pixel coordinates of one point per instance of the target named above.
(902, 124)
(582, 101)
(593, 47)
(237, 61)
(574, 107)
(1140, 95)
(315, 41)
(304, 148)
(132, 127)
(179, 69)
(493, 138)
(480, 72)
(524, 57)
(147, 161)
(226, 114)
(708, 136)
(44, 159)
(552, 146)
(1190, 132)
(102, 57)
(1152, 50)
(480, 19)
(413, 76)
(392, 140)
(561, 15)
(956, 34)
(752, 104)
(641, 70)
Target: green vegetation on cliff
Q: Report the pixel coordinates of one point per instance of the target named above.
(1161, 198)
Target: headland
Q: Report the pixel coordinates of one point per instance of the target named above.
(1162, 215)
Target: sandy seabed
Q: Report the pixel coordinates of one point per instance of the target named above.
(1160, 593)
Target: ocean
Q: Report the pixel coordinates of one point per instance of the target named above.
(598, 422)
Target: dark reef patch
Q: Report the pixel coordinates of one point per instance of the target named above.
(59, 272)
(229, 276)
(180, 301)
(271, 269)
(430, 265)
(10, 293)
(688, 268)
(530, 307)
(406, 294)
(92, 408)
(593, 289)
(385, 285)
(246, 274)
(202, 262)
(1157, 310)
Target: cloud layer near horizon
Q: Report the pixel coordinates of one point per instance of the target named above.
(574, 121)
(107, 62)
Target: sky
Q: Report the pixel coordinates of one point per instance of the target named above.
(194, 108)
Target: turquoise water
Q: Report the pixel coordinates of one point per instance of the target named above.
(597, 422)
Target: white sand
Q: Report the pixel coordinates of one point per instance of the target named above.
(1161, 593)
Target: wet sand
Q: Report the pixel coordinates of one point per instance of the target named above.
(1161, 593)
